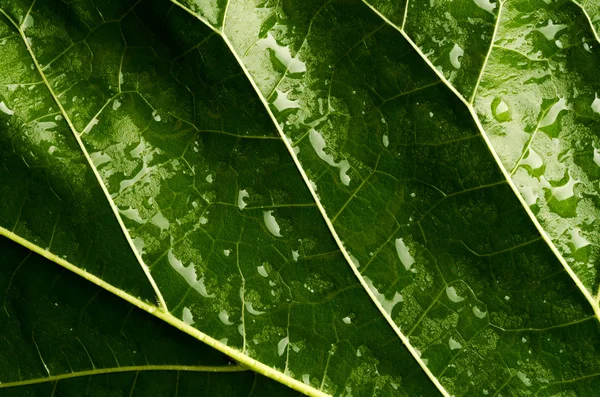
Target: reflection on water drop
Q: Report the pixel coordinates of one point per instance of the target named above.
(189, 274)
(533, 160)
(27, 22)
(282, 345)
(404, 255)
(271, 223)
(549, 31)
(90, 125)
(160, 221)
(386, 140)
(5, 109)
(552, 115)
(387, 304)
(133, 214)
(486, 5)
(318, 143)
(453, 295)
(224, 317)
(262, 271)
(597, 156)
(567, 190)
(99, 158)
(188, 318)
(453, 344)
(500, 110)
(596, 104)
(455, 54)
(242, 194)
(252, 310)
(526, 381)
(283, 54)
(478, 312)
(282, 102)
(577, 240)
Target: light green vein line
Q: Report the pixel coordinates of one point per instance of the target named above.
(116, 370)
(581, 320)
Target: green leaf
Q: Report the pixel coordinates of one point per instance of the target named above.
(320, 190)
(63, 335)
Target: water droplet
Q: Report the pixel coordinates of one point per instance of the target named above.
(347, 320)
(5, 109)
(453, 344)
(577, 240)
(139, 244)
(252, 310)
(133, 214)
(282, 345)
(453, 295)
(567, 190)
(282, 102)
(283, 54)
(187, 316)
(160, 221)
(90, 125)
(388, 305)
(189, 274)
(403, 253)
(533, 160)
(552, 115)
(524, 378)
(224, 317)
(455, 54)
(478, 312)
(596, 104)
(271, 223)
(486, 5)
(242, 194)
(318, 143)
(27, 22)
(549, 31)
(262, 271)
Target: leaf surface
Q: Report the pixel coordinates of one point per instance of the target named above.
(312, 189)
